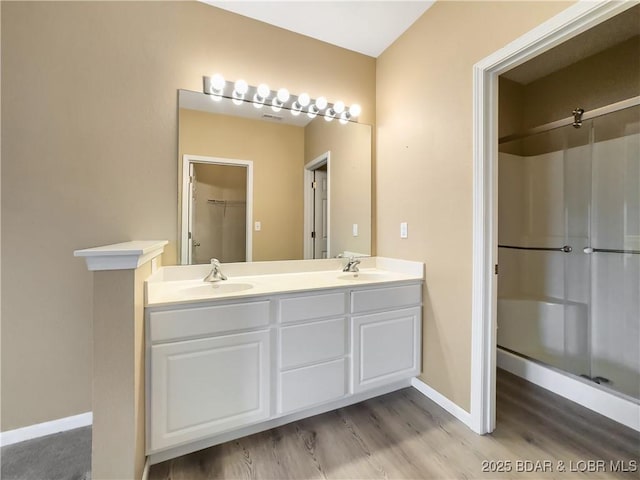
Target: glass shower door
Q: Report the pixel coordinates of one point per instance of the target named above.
(614, 251)
(569, 249)
(577, 172)
(543, 304)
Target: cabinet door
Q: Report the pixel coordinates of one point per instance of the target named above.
(203, 387)
(386, 347)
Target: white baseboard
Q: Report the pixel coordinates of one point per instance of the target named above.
(435, 396)
(582, 392)
(46, 428)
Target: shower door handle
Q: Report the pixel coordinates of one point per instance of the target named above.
(611, 250)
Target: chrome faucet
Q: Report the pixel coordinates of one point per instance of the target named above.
(352, 265)
(215, 275)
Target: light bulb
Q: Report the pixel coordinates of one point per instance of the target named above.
(276, 106)
(241, 87)
(283, 95)
(338, 107)
(257, 101)
(263, 91)
(344, 118)
(217, 83)
(355, 110)
(237, 99)
(295, 111)
(304, 99)
(321, 103)
(328, 117)
(312, 112)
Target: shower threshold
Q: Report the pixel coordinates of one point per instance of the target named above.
(597, 397)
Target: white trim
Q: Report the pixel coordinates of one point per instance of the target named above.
(184, 207)
(46, 428)
(567, 24)
(121, 256)
(145, 470)
(442, 401)
(309, 167)
(582, 392)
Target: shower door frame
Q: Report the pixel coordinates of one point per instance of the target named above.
(569, 23)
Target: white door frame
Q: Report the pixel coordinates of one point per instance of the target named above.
(309, 167)
(574, 20)
(187, 160)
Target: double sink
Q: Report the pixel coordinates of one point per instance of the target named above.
(170, 292)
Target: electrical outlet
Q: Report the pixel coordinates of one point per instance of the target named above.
(404, 230)
(355, 229)
(258, 226)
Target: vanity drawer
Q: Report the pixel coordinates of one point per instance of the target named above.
(386, 298)
(312, 342)
(194, 322)
(307, 307)
(308, 386)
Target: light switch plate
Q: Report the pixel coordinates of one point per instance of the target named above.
(355, 229)
(404, 230)
(258, 226)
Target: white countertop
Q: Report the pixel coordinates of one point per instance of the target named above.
(172, 285)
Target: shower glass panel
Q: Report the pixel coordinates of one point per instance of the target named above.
(564, 194)
(615, 229)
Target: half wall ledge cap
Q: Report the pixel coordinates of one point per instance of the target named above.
(121, 256)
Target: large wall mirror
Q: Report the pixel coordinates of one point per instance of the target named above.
(256, 185)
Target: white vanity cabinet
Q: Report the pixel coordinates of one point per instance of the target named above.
(385, 344)
(216, 382)
(312, 363)
(220, 369)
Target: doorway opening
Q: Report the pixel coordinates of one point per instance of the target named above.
(317, 209)
(216, 215)
(570, 23)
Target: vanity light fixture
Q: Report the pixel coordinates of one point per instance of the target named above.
(280, 99)
(242, 92)
(261, 95)
(217, 87)
(240, 89)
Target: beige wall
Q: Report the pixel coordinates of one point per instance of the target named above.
(607, 77)
(276, 151)
(424, 164)
(350, 181)
(89, 143)
(598, 80)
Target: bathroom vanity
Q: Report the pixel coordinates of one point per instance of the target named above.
(276, 342)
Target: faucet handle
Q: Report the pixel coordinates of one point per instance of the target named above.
(215, 262)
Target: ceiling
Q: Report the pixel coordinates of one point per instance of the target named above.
(366, 27)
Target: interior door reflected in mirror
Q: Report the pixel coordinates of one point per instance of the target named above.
(217, 212)
(247, 178)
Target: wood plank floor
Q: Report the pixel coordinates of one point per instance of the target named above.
(403, 435)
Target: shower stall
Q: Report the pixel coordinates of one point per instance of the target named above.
(569, 247)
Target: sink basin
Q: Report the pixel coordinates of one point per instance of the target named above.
(364, 276)
(217, 288)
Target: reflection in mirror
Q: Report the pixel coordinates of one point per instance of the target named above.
(256, 185)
